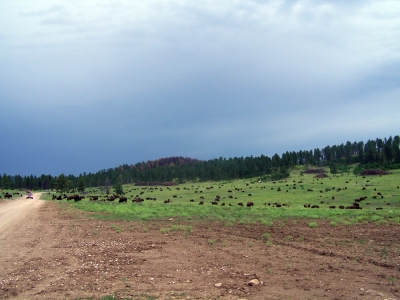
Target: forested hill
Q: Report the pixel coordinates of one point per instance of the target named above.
(162, 162)
(377, 153)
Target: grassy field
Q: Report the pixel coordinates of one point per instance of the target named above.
(292, 193)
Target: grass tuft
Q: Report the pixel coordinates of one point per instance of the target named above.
(313, 224)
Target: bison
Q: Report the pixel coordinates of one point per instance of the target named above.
(123, 199)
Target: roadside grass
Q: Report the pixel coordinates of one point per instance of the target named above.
(301, 189)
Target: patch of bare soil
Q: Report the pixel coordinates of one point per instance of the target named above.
(314, 171)
(374, 172)
(321, 175)
(58, 253)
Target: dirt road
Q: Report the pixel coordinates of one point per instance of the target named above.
(15, 212)
(16, 215)
(48, 250)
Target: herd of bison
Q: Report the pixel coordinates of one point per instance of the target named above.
(151, 186)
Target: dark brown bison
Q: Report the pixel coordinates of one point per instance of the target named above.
(249, 204)
(78, 198)
(123, 199)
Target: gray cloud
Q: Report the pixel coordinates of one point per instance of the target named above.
(92, 85)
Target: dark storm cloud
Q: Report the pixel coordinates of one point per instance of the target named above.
(92, 85)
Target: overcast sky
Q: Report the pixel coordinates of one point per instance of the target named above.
(90, 85)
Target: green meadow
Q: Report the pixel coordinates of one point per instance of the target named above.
(291, 194)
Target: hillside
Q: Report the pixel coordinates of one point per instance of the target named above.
(374, 154)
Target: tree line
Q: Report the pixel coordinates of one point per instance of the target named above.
(378, 153)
